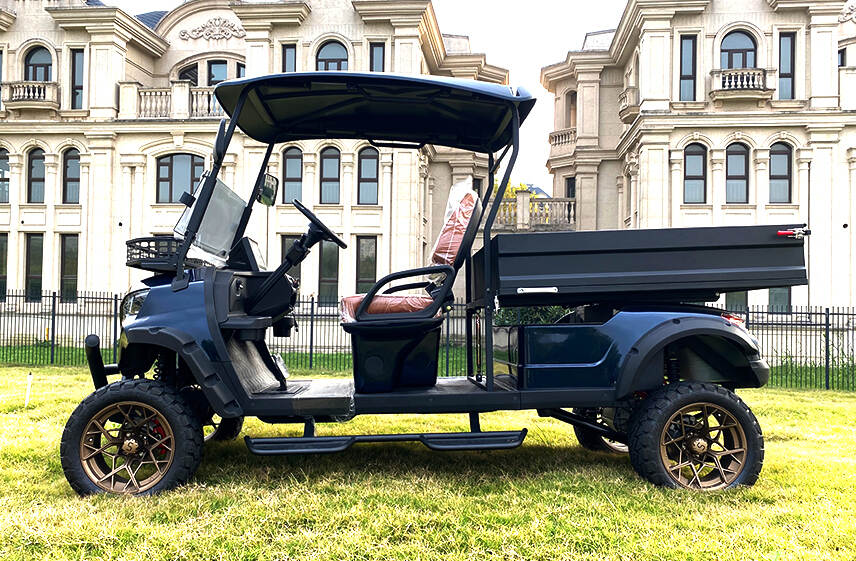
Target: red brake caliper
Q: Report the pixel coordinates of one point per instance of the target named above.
(158, 430)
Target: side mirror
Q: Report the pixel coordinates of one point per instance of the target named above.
(270, 187)
(220, 143)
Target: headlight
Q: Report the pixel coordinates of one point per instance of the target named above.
(132, 303)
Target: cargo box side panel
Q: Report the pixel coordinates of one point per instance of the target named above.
(568, 356)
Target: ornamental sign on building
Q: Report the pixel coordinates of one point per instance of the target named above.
(214, 29)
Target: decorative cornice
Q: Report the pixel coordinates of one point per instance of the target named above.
(215, 29)
(110, 20)
(407, 13)
(266, 15)
(6, 19)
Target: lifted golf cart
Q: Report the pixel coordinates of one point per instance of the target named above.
(630, 367)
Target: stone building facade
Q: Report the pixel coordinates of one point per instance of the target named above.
(106, 118)
(717, 112)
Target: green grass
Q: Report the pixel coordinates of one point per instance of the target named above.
(548, 500)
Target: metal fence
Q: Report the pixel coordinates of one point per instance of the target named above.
(806, 347)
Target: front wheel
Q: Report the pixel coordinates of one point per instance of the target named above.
(135, 437)
(696, 436)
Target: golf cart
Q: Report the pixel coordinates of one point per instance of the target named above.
(631, 366)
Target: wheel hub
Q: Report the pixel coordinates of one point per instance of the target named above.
(698, 445)
(130, 446)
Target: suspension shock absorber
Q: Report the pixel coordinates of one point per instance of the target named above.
(672, 367)
(165, 367)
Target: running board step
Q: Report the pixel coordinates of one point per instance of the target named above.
(499, 440)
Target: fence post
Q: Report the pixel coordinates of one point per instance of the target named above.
(53, 327)
(311, 329)
(826, 331)
(115, 325)
(747, 318)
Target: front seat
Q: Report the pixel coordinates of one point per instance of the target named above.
(395, 337)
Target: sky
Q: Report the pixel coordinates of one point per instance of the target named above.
(520, 35)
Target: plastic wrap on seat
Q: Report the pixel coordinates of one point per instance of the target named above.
(383, 304)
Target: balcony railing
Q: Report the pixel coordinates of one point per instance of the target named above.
(564, 136)
(155, 103)
(203, 104)
(628, 104)
(30, 94)
(736, 83)
(523, 213)
(179, 101)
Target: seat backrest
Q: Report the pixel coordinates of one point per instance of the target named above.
(456, 238)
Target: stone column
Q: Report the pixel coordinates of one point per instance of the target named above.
(823, 35)
(621, 187)
(15, 275)
(653, 185)
(801, 193)
(676, 166)
(654, 63)
(180, 104)
(53, 190)
(348, 197)
(309, 188)
(825, 243)
(759, 190)
(633, 171)
(588, 101)
(103, 202)
(586, 175)
(85, 221)
(523, 197)
(851, 160)
(717, 187)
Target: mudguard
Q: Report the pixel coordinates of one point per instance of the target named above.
(207, 373)
(641, 371)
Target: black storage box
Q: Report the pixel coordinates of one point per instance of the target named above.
(387, 358)
(666, 265)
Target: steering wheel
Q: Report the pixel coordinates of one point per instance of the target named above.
(328, 234)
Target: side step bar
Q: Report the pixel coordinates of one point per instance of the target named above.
(499, 440)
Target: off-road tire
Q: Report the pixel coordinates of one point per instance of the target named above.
(648, 430)
(186, 432)
(227, 429)
(592, 440)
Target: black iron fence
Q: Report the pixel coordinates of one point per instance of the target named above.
(810, 347)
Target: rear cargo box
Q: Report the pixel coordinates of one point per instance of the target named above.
(667, 265)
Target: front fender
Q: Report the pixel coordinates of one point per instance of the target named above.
(207, 374)
(643, 368)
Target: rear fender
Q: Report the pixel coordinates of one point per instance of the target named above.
(206, 373)
(643, 368)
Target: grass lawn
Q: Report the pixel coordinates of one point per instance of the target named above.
(549, 499)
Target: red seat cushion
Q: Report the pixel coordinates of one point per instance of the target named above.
(383, 304)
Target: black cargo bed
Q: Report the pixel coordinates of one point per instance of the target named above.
(666, 265)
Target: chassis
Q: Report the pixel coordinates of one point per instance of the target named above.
(632, 369)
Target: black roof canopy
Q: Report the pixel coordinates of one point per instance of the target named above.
(450, 112)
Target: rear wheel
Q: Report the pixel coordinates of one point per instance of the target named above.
(696, 436)
(134, 437)
(593, 440)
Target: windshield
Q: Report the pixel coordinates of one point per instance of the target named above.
(219, 224)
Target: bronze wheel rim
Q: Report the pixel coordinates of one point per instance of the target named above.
(703, 446)
(127, 447)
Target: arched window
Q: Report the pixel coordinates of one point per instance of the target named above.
(190, 73)
(177, 174)
(368, 177)
(37, 65)
(695, 174)
(330, 176)
(738, 50)
(4, 177)
(737, 174)
(781, 173)
(332, 56)
(71, 176)
(36, 176)
(292, 175)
